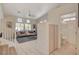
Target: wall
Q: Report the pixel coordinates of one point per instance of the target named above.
(55, 14)
(1, 18)
(9, 33)
(44, 17)
(77, 41)
(42, 38)
(42, 42)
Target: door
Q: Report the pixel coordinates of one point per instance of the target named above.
(53, 37)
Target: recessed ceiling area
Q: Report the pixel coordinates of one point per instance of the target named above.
(22, 9)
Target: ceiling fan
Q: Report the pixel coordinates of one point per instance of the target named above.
(28, 15)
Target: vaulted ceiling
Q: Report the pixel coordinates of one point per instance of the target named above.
(21, 9)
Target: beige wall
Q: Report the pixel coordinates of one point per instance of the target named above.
(55, 14)
(1, 17)
(8, 31)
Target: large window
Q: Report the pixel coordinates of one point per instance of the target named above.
(27, 26)
(68, 17)
(21, 25)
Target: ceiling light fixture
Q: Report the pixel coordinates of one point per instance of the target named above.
(45, 20)
(41, 21)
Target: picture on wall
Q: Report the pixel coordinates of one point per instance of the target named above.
(9, 24)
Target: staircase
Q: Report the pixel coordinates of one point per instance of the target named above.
(6, 50)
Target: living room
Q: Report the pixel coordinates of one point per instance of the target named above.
(39, 28)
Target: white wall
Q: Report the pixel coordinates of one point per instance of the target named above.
(42, 42)
(42, 38)
(8, 31)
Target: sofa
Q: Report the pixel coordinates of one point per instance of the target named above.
(20, 34)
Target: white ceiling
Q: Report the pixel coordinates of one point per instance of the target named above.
(36, 9)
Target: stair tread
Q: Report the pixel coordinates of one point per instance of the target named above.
(12, 50)
(6, 50)
(3, 49)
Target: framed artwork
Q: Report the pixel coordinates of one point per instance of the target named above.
(9, 24)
